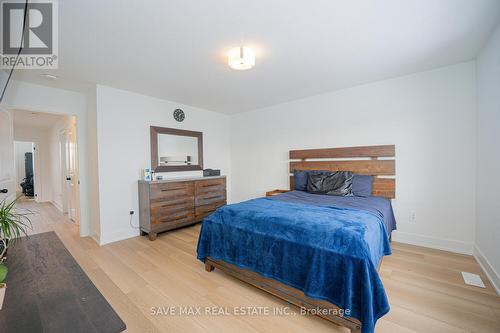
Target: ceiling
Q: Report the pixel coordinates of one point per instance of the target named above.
(34, 120)
(176, 49)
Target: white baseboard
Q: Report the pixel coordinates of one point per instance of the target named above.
(95, 237)
(490, 272)
(118, 236)
(444, 244)
(59, 207)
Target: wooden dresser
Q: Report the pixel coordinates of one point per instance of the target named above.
(174, 203)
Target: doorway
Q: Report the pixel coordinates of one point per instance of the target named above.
(54, 154)
(24, 158)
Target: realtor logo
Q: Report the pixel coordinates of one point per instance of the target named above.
(34, 29)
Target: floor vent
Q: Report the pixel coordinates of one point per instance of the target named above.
(473, 280)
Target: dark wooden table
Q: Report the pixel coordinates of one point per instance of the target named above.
(47, 291)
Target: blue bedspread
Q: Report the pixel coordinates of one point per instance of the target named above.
(327, 252)
(377, 205)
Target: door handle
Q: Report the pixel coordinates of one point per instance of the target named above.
(4, 190)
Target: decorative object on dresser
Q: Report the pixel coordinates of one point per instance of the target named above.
(170, 204)
(211, 172)
(176, 150)
(146, 174)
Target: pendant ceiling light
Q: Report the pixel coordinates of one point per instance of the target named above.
(241, 58)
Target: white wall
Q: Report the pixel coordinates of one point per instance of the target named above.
(93, 166)
(35, 97)
(429, 116)
(123, 137)
(20, 150)
(487, 249)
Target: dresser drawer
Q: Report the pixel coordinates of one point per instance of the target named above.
(210, 198)
(173, 220)
(203, 211)
(171, 191)
(210, 191)
(209, 185)
(171, 206)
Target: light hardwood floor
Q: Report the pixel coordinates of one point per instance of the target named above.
(424, 286)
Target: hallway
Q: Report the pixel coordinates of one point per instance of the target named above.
(46, 217)
(54, 158)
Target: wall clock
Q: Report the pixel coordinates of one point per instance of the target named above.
(179, 115)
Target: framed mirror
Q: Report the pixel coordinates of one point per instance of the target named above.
(176, 150)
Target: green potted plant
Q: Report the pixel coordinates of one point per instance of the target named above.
(13, 224)
(3, 286)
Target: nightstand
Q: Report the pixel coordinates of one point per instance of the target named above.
(274, 192)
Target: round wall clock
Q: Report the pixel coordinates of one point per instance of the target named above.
(179, 115)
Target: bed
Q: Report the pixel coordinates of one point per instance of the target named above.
(318, 252)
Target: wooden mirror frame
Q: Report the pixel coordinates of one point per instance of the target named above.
(154, 130)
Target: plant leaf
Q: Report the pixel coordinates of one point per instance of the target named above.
(3, 272)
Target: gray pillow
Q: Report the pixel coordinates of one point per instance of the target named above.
(300, 180)
(331, 183)
(362, 185)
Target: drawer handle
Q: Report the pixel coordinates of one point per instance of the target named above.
(181, 217)
(177, 218)
(173, 189)
(214, 197)
(211, 207)
(210, 210)
(211, 185)
(175, 203)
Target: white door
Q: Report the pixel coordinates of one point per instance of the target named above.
(70, 173)
(7, 170)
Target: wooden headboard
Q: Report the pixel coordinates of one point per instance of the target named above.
(361, 160)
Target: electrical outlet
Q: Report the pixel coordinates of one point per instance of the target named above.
(131, 212)
(412, 217)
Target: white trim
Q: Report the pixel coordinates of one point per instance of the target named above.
(487, 268)
(95, 237)
(444, 244)
(58, 207)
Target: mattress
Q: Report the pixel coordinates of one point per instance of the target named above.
(377, 205)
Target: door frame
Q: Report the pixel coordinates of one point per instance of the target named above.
(82, 115)
(11, 194)
(62, 169)
(63, 138)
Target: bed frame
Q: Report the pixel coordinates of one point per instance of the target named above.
(377, 161)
